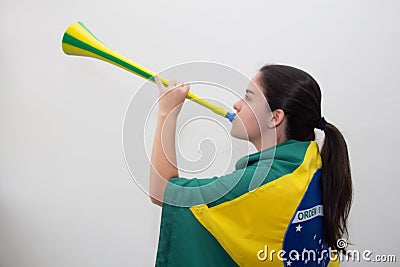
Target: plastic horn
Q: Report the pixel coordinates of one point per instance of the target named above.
(79, 41)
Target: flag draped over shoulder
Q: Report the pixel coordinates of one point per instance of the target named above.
(271, 202)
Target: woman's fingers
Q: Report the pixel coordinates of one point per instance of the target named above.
(160, 85)
(173, 84)
(185, 87)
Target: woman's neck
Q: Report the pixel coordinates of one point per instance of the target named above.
(261, 144)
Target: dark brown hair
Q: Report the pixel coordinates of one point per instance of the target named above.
(299, 96)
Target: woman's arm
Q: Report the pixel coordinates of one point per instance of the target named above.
(163, 158)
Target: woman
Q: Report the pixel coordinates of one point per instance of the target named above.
(295, 211)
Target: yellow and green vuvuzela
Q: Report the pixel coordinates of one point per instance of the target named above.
(79, 41)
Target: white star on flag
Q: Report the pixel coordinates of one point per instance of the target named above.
(298, 228)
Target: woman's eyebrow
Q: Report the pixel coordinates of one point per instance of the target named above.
(249, 91)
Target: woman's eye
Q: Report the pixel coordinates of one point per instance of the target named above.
(246, 97)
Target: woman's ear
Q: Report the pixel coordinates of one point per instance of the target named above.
(277, 117)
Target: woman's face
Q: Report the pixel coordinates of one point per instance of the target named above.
(251, 113)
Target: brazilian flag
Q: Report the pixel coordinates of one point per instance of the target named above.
(268, 212)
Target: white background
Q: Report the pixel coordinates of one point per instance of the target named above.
(66, 196)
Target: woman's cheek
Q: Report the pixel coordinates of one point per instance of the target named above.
(253, 128)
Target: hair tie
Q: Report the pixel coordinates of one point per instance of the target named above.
(321, 124)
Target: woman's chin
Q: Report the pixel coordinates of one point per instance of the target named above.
(238, 134)
(233, 133)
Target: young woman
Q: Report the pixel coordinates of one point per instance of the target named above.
(293, 216)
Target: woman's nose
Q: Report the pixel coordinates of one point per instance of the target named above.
(237, 105)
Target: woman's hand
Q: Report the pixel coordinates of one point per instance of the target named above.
(172, 97)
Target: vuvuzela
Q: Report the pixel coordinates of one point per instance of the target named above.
(79, 41)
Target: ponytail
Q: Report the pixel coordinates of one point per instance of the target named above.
(337, 188)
